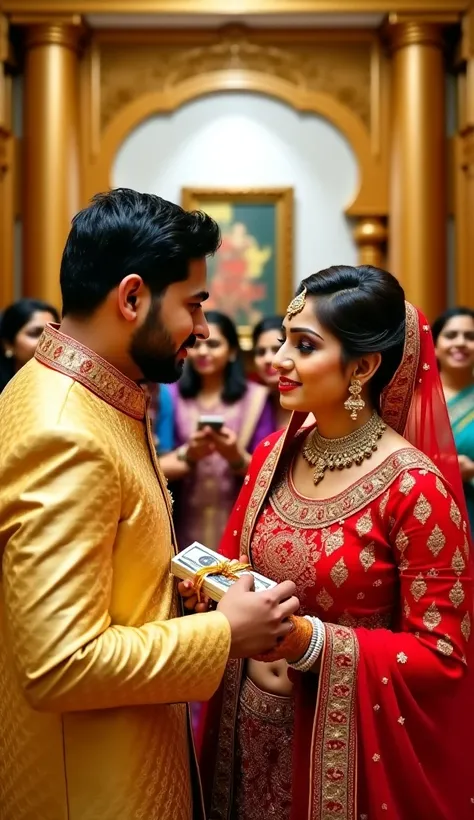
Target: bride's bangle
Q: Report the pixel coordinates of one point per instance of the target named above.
(315, 646)
(294, 645)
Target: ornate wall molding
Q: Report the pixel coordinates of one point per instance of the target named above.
(341, 78)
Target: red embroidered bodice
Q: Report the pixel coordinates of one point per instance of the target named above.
(388, 552)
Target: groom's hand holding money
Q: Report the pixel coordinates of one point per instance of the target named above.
(258, 622)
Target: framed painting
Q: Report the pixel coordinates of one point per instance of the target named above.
(251, 275)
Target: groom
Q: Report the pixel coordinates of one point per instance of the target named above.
(96, 665)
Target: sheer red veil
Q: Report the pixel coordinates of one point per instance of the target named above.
(413, 404)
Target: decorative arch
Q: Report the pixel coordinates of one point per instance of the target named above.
(371, 196)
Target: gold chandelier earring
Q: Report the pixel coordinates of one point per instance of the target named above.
(354, 404)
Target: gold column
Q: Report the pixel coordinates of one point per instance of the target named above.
(51, 153)
(7, 193)
(370, 235)
(418, 207)
(464, 167)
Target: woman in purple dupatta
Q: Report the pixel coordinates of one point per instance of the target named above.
(211, 465)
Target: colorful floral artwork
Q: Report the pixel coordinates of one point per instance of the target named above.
(251, 274)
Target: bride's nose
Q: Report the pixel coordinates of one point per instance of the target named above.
(283, 364)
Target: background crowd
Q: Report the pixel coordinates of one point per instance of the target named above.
(206, 466)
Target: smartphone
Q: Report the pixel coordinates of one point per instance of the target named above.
(214, 422)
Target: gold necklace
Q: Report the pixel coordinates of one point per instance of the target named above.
(341, 453)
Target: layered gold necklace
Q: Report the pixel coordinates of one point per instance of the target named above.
(341, 453)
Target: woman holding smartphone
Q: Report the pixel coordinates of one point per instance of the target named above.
(220, 417)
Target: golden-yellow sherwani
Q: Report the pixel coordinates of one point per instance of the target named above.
(95, 662)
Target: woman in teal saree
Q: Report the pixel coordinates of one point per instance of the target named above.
(453, 334)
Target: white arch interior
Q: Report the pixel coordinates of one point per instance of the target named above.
(240, 139)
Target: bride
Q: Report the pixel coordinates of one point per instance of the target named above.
(366, 709)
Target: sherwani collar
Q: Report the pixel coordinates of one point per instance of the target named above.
(64, 354)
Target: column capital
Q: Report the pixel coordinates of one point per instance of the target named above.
(414, 33)
(370, 230)
(53, 33)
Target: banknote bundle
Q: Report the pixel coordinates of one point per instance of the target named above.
(196, 557)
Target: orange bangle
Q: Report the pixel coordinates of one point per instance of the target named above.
(293, 646)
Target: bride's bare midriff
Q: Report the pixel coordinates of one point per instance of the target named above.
(270, 677)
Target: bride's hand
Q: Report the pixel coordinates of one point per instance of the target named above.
(188, 593)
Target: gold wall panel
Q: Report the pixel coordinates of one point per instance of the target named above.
(340, 70)
(342, 76)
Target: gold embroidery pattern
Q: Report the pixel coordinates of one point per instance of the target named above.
(445, 647)
(441, 488)
(418, 587)
(432, 618)
(455, 514)
(466, 547)
(364, 524)
(436, 541)
(311, 514)
(259, 493)
(324, 600)
(458, 564)
(333, 794)
(332, 541)
(383, 504)
(367, 556)
(456, 595)
(264, 738)
(397, 396)
(406, 608)
(378, 620)
(466, 626)
(407, 483)
(401, 541)
(224, 771)
(339, 573)
(61, 353)
(274, 708)
(422, 509)
(285, 555)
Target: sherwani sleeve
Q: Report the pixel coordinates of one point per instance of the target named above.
(59, 515)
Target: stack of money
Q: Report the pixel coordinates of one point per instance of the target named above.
(196, 557)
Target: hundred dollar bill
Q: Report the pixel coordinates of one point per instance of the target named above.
(196, 556)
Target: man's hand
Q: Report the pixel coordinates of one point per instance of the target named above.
(258, 620)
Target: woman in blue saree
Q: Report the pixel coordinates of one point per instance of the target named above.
(453, 334)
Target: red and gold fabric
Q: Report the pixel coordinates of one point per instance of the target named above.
(384, 730)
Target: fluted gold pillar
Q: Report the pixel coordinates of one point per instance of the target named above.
(6, 218)
(418, 208)
(370, 235)
(51, 153)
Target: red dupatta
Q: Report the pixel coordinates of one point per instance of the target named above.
(383, 704)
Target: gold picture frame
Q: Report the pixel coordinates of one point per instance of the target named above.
(253, 270)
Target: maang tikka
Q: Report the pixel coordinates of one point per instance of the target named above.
(297, 304)
(354, 404)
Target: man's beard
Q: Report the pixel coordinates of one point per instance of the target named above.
(153, 351)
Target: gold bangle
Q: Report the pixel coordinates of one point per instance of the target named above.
(294, 645)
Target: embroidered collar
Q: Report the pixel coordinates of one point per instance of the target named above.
(60, 352)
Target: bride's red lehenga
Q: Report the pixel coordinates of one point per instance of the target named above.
(385, 731)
